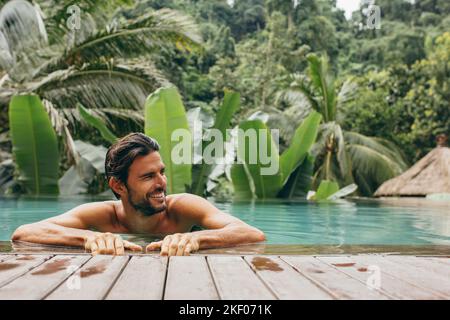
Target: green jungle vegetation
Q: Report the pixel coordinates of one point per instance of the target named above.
(354, 106)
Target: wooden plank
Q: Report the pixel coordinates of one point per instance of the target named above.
(235, 280)
(341, 285)
(389, 285)
(418, 277)
(4, 257)
(189, 278)
(285, 281)
(96, 278)
(39, 282)
(441, 260)
(19, 265)
(428, 265)
(142, 279)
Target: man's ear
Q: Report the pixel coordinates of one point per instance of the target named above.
(117, 186)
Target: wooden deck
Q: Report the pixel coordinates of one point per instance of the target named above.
(206, 277)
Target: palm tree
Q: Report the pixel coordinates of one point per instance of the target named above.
(342, 156)
(103, 60)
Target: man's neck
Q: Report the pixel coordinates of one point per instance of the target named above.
(136, 222)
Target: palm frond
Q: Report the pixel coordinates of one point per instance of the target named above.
(60, 124)
(342, 164)
(347, 93)
(299, 104)
(153, 32)
(58, 12)
(379, 145)
(22, 32)
(124, 114)
(100, 86)
(298, 91)
(372, 165)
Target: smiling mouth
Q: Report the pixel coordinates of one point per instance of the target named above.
(158, 195)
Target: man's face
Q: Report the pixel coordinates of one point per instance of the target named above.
(146, 184)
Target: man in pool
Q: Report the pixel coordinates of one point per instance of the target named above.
(135, 173)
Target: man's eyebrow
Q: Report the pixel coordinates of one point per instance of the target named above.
(146, 174)
(150, 172)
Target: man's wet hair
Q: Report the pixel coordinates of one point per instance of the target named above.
(120, 155)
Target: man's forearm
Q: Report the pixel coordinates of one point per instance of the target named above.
(228, 236)
(52, 234)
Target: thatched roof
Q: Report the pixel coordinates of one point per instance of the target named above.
(431, 174)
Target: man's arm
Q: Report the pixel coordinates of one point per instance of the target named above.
(224, 229)
(71, 229)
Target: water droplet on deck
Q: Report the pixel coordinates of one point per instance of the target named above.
(93, 270)
(52, 267)
(25, 258)
(351, 264)
(261, 263)
(362, 269)
(7, 266)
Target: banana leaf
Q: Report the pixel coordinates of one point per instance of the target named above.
(231, 102)
(72, 183)
(35, 145)
(243, 185)
(265, 185)
(97, 123)
(299, 182)
(301, 143)
(345, 191)
(326, 189)
(165, 113)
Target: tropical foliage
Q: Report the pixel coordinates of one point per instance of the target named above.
(107, 63)
(35, 146)
(382, 94)
(344, 157)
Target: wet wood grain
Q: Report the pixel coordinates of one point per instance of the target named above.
(234, 279)
(189, 277)
(19, 265)
(73, 276)
(40, 281)
(96, 277)
(285, 281)
(142, 279)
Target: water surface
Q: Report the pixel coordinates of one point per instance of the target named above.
(356, 225)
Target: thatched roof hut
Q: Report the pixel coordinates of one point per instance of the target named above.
(431, 174)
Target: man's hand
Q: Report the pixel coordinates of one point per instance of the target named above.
(108, 243)
(178, 244)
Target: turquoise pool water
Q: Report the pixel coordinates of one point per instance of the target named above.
(347, 222)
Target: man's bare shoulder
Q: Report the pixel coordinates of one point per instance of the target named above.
(189, 205)
(90, 215)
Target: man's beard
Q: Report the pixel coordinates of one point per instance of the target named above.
(144, 206)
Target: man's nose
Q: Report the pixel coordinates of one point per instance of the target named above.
(161, 181)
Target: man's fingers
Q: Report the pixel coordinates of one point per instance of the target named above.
(173, 247)
(187, 251)
(181, 246)
(132, 246)
(118, 244)
(109, 241)
(154, 246)
(165, 246)
(94, 248)
(101, 245)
